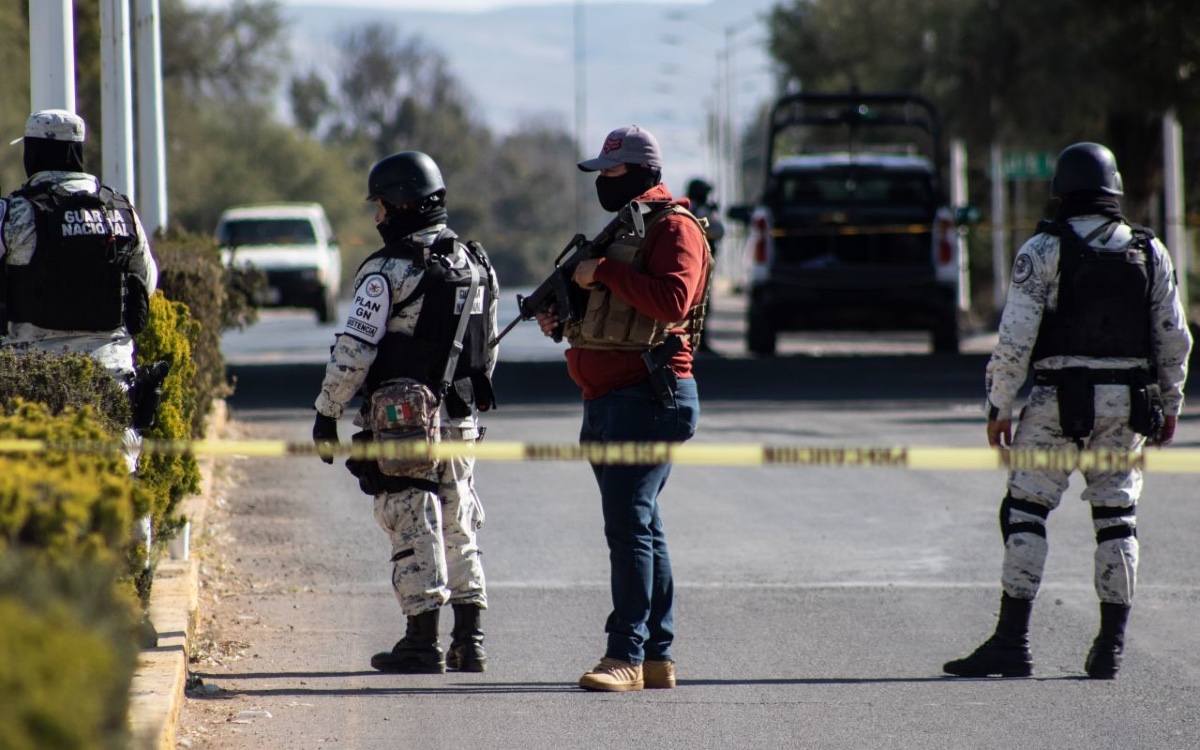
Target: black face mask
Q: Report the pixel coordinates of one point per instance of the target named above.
(615, 192)
(397, 224)
(42, 155)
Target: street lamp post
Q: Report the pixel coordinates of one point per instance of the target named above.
(729, 187)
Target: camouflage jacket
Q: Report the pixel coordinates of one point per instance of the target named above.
(1034, 289)
(18, 243)
(353, 354)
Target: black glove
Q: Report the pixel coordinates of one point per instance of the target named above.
(325, 436)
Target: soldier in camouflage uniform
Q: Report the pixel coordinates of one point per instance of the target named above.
(1093, 309)
(401, 325)
(78, 269)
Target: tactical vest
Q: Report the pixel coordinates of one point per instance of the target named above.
(1103, 298)
(610, 322)
(423, 355)
(78, 278)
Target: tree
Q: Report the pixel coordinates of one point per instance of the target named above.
(387, 92)
(1036, 75)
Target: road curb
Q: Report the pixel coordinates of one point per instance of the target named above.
(157, 691)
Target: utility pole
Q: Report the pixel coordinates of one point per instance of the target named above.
(580, 106)
(151, 142)
(51, 55)
(1176, 236)
(116, 97)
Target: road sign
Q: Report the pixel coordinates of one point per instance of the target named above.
(1027, 165)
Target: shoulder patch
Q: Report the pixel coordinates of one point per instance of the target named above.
(1022, 268)
(369, 312)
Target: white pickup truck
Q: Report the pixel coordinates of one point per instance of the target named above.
(294, 245)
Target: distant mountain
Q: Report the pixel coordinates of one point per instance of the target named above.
(642, 66)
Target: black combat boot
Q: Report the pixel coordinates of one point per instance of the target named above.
(466, 644)
(1006, 653)
(1104, 659)
(418, 651)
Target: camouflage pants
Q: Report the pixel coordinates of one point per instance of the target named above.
(1112, 495)
(435, 555)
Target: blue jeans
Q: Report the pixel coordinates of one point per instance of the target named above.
(641, 625)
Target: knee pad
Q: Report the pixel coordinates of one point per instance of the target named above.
(1123, 526)
(1035, 525)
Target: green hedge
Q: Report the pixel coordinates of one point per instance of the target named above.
(217, 298)
(67, 655)
(63, 504)
(70, 576)
(62, 382)
(169, 337)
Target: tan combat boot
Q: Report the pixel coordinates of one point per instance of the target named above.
(614, 676)
(658, 675)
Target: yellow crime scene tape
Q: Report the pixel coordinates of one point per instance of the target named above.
(933, 458)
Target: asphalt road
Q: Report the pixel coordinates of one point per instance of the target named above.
(814, 606)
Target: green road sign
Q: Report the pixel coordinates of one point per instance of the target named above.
(1027, 165)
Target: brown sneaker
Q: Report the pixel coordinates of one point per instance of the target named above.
(614, 676)
(658, 675)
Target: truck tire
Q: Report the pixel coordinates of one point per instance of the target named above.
(945, 335)
(761, 335)
(326, 307)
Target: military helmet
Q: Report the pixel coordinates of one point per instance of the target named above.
(404, 177)
(1086, 167)
(699, 190)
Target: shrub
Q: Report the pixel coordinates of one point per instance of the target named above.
(67, 655)
(63, 382)
(167, 478)
(63, 503)
(218, 298)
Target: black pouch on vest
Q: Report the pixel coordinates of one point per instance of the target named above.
(1076, 403)
(365, 470)
(1146, 409)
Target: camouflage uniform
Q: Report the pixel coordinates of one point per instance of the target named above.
(18, 242)
(113, 349)
(439, 528)
(1034, 289)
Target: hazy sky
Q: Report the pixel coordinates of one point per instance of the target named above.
(445, 6)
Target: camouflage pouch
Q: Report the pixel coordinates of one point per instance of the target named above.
(405, 409)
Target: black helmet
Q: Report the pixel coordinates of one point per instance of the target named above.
(1086, 167)
(406, 177)
(698, 189)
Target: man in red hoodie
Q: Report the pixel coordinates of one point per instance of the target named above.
(632, 355)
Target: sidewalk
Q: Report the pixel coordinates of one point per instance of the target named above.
(157, 691)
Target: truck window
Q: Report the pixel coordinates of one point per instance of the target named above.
(839, 187)
(240, 232)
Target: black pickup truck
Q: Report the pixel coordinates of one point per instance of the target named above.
(853, 231)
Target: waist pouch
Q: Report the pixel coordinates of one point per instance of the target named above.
(1146, 414)
(1077, 398)
(372, 481)
(1076, 403)
(405, 409)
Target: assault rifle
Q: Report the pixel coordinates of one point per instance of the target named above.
(555, 291)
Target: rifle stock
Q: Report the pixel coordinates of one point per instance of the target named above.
(555, 290)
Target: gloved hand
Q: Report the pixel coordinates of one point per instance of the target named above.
(1166, 433)
(325, 436)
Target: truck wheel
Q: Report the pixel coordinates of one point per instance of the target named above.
(760, 334)
(326, 307)
(945, 335)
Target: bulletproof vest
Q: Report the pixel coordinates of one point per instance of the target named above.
(610, 322)
(423, 355)
(78, 276)
(1103, 298)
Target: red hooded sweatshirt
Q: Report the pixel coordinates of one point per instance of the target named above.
(676, 262)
